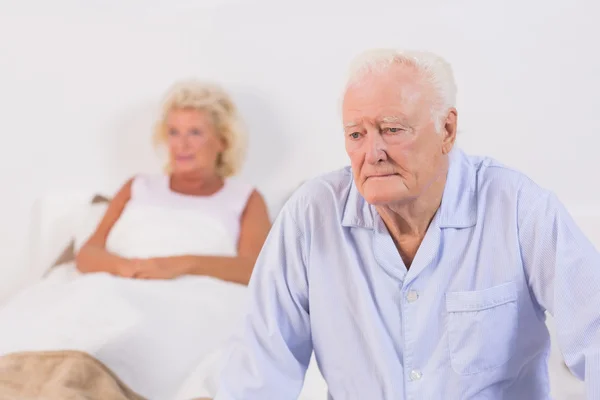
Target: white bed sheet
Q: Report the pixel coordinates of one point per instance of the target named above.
(136, 328)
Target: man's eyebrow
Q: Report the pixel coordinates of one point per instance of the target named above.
(392, 119)
(350, 125)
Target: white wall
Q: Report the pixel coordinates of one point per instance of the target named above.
(79, 82)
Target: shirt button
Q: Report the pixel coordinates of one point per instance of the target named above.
(415, 375)
(412, 296)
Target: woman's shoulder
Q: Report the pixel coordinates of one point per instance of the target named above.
(237, 185)
(148, 178)
(238, 192)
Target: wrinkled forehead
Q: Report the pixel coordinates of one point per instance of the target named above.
(398, 91)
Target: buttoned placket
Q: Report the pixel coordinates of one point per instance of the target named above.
(411, 296)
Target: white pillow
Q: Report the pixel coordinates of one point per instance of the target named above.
(55, 220)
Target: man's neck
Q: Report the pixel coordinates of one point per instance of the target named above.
(408, 223)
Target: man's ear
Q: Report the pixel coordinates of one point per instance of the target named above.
(449, 131)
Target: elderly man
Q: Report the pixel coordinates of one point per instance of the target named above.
(419, 272)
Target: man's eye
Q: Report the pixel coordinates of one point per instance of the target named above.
(392, 130)
(355, 135)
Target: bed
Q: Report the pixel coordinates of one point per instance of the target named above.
(62, 221)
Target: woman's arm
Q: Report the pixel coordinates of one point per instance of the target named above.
(93, 256)
(254, 228)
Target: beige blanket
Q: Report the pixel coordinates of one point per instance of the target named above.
(59, 375)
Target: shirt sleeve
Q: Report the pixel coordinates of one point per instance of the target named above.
(270, 359)
(563, 269)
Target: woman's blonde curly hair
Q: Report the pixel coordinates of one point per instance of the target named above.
(210, 98)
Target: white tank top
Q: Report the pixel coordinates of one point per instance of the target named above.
(158, 222)
(227, 204)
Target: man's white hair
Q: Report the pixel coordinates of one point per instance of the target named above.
(436, 72)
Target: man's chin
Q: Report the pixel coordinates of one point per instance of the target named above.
(383, 191)
(385, 198)
(380, 200)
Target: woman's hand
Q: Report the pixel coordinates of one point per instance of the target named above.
(127, 268)
(153, 268)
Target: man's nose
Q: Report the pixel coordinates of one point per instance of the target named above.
(376, 147)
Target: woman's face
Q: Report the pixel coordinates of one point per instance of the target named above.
(193, 142)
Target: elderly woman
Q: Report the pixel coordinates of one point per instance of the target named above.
(163, 276)
(201, 129)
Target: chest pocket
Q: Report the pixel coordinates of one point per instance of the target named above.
(482, 328)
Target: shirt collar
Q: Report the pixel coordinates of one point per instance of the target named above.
(459, 201)
(357, 212)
